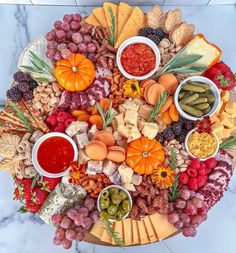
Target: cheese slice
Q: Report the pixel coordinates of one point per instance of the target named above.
(106, 237)
(92, 20)
(161, 226)
(101, 17)
(135, 232)
(118, 227)
(150, 230)
(114, 9)
(128, 237)
(135, 22)
(124, 12)
(98, 229)
(143, 235)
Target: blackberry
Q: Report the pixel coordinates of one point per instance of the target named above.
(160, 33)
(28, 95)
(14, 94)
(155, 38)
(168, 134)
(33, 84)
(176, 127)
(160, 138)
(181, 137)
(145, 31)
(189, 125)
(23, 87)
(21, 77)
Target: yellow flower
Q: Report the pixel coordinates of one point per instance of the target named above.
(163, 176)
(132, 89)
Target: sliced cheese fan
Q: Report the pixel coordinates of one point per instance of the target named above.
(106, 7)
(124, 12)
(92, 20)
(101, 17)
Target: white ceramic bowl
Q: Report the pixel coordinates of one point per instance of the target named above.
(35, 152)
(202, 159)
(120, 188)
(134, 40)
(214, 89)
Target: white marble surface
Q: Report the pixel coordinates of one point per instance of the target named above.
(26, 233)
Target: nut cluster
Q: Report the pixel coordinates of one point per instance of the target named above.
(46, 97)
(182, 157)
(167, 50)
(117, 95)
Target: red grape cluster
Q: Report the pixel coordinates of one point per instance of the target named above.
(187, 212)
(74, 223)
(72, 35)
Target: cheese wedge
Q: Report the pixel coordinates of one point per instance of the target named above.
(118, 227)
(98, 229)
(114, 8)
(143, 235)
(128, 238)
(150, 230)
(101, 17)
(92, 20)
(135, 232)
(106, 237)
(124, 12)
(161, 226)
(135, 22)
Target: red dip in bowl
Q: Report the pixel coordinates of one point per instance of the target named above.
(55, 155)
(138, 59)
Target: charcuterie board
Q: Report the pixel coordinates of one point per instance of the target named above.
(119, 128)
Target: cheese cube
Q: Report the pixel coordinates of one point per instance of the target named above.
(115, 178)
(161, 226)
(229, 107)
(150, 130)
(109, 168)
(114, 124)
(130, 105)
(226, 133)
(226, 119)
(82, 140)
(117, 136)
(125, 173)
(82, 157)
(217, 127)
(144, 111)
(136, 179)
(109, 129)
(133, 134)
(131, 117)
(94, 167)
(150, 230)
(76, 127)
(123, 131)
(120, 119)
(138, 101)
(92, 131)
(122, 143)
(214, 119)
(129, 187)
(127, 231)
(219, 106)
(225, 95)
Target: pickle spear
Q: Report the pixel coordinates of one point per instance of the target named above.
(191, 110)
(195, 88)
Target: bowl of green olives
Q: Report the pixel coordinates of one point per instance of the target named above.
(114, 203)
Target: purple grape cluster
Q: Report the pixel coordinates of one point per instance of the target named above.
(73, 225)
(72, 35)
(187, 212)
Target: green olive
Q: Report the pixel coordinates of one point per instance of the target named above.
(104, 215)
(113, 190)
(119, 215)
(126, 205)
(105, 194)
(123, 195)
(104, 203)
(112, 209)
(116, 198)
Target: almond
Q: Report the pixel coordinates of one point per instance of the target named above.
(96, 150)
(106, 137)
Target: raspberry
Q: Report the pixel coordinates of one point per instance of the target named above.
(193, 184)
(183, 178)
(201, 180)
(202, 170)
(52, 120)
(191, 172)
(195, 163)
(63, 116)
(210, 163)
(60, 127)
(69, 121)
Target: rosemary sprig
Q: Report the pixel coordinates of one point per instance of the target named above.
(158, 106)
(228, 144)
(174, 189)
(112, 38)
(21, 116)
(41, 71)
(113, 234)
(181, 64)
(106, 117)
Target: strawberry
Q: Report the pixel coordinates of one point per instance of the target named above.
(49, 184)
(32, 207)
(221, 75)
(38, 196)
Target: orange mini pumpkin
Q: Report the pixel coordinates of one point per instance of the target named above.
(75, 73)
(144, 155)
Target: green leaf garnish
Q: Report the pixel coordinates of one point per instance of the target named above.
(174, 189)
(22, 209)
(106, 117)
(112, 38)
(228, 144)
